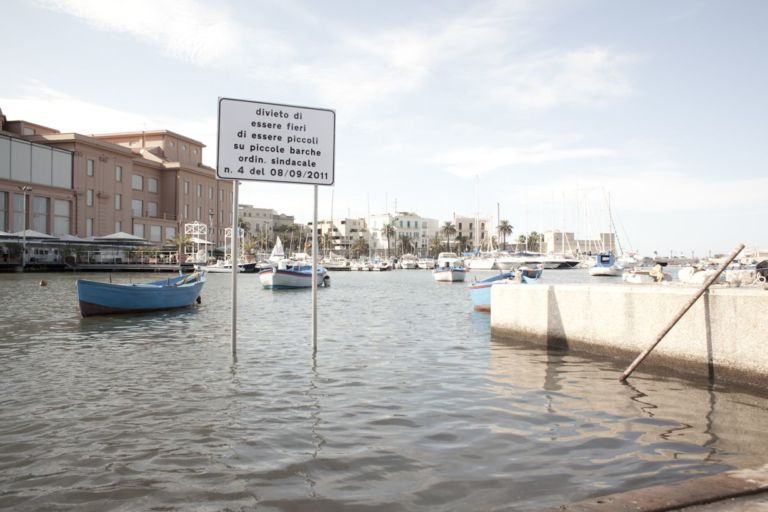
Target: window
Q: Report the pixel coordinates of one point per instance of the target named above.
(155, 233)
(89, 197)
(118, 226)
(61, 216)
(186, 187)
(151, 209)
(221, 195)
(199, 190)
(3, 211)
(118, 201)
(137, 207)
(210, 193)
(199, 213)
(170, 233)
(183, 147)
(138, 230)
(19, 209)
(88, 227)
(40, 214)
(186, 211)
(152, 184)
(137, 182)
(89, 167)
(171, 143)
(29, 131)
(118, 174)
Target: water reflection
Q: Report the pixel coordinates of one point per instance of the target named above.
(407, 404)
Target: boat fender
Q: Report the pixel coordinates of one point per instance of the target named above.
(326, 282)
(43, 282)
(199, 300)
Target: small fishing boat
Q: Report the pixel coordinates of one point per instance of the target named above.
(225, 267)
(285, 276)
(426, 263)
(480, 291)
(449, 274)
(605, 265)
(409, 261)
(640, 275)
(450, 259)
(97, 298)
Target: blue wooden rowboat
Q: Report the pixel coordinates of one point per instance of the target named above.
(97, 298)
(480, 291)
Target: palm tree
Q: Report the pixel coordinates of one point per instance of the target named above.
(406, 244)
(435, 245)
(360, 247)
(535, 240)
(461, 243)
(327, 241)
(249, 244)
(447, 230)
(388, 230)
(180, 241)
(523, 240)
(504, 229)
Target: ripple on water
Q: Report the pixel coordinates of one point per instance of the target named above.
(408, 404)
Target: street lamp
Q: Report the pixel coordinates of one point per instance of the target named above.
(26, 189)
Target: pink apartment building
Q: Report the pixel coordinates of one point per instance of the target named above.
(147, 183)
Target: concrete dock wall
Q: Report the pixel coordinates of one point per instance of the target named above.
(723, 336)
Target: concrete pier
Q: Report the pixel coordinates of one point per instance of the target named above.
(724, 336)
(733, 491)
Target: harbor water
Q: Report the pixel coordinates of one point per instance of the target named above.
(408, 404)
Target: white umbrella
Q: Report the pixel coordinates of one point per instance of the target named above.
(121, 235)
(31, 233)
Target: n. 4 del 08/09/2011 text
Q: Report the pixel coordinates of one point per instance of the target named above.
(277, 172)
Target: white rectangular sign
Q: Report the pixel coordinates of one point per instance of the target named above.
(272, 142)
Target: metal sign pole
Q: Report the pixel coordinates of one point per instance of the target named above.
(314, 274)
(235, 269)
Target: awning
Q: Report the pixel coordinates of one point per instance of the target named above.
(121, 235)
(31, 233)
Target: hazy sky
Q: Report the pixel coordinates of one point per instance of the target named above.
(538, 109)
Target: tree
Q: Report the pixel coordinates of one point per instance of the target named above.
(504, 229)
(406, 244)
(327, 241)
(360, 247)
(180, 241)
(447, 230)
(249, 244)
(462, 243)
(523, 240)
(435, 245)
(535, 239)
(388, 230)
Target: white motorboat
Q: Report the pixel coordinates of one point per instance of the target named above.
(449, 274)
(285, 276)
(450, 259)
(426, 263)
(481, 261)
(408, 262)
